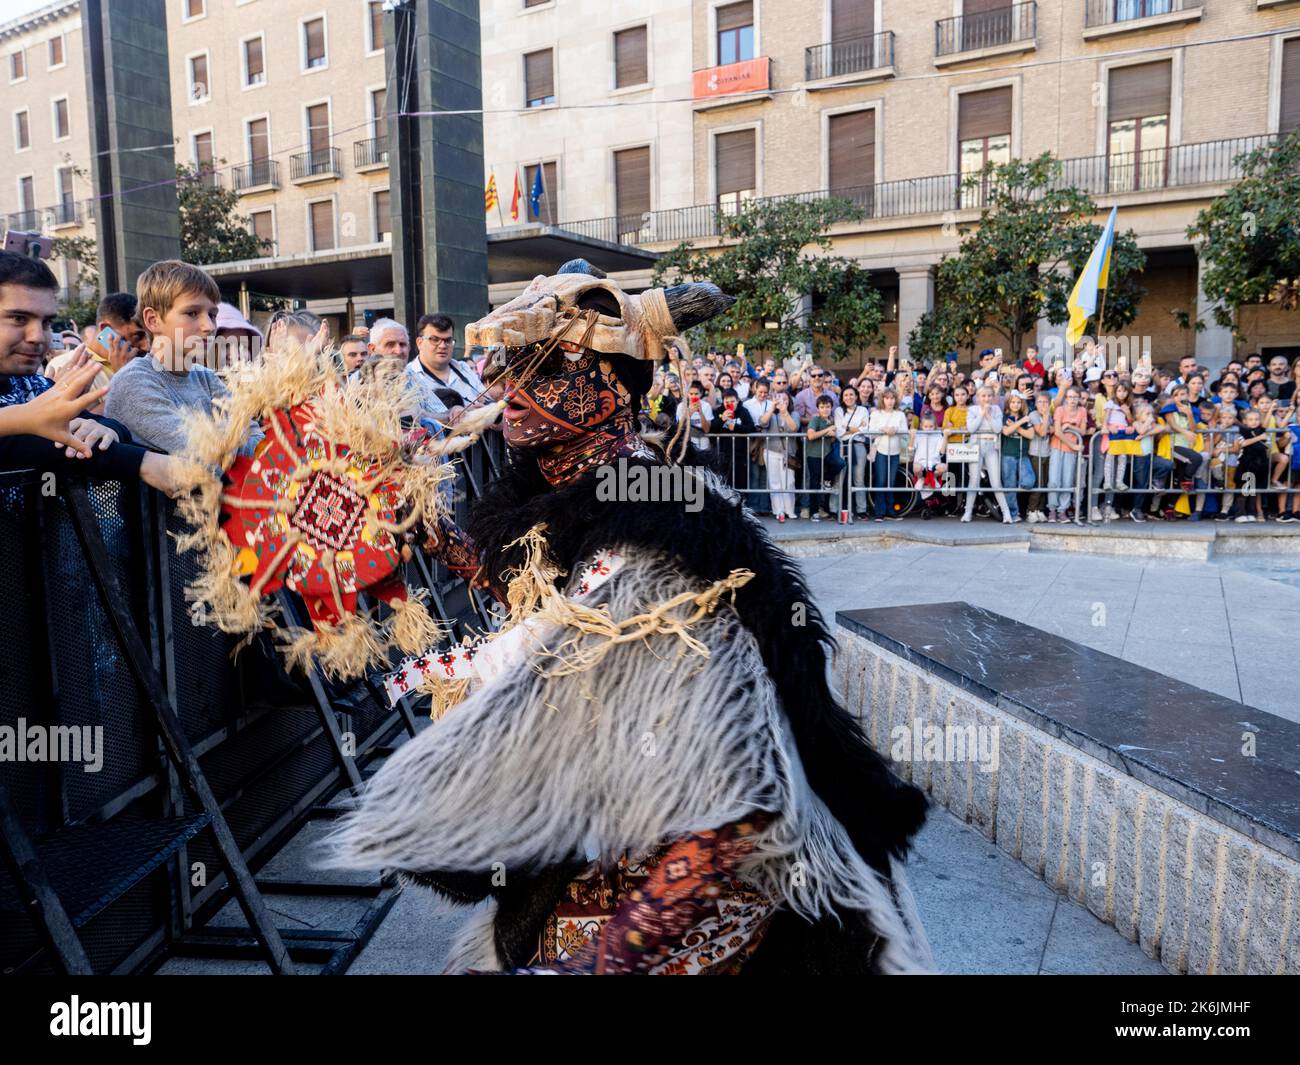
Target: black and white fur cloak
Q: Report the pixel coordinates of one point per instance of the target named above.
(536, 776)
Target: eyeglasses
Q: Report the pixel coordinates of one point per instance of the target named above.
(440, 342)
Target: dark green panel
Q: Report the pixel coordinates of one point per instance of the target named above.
(129, 90)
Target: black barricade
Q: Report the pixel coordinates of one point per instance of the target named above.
(256, 730)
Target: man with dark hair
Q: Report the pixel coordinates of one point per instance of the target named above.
(434, 370)
(129, 341)
(28, 305)
(353, 350)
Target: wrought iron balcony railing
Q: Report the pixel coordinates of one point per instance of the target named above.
(1155, 170)
(1109, 12)
(260, 173)
(67, 213)
(852, 55)
(989, 29)
(324, 162)
(373, 152)
(27, 221)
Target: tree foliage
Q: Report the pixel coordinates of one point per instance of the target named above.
(1019, 263)
(1250, 236)
(212, 229)
(776, 253)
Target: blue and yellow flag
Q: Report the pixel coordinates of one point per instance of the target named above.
(1095, 276)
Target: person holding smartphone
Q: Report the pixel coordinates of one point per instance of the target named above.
(118, 339)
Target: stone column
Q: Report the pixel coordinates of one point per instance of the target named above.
(915, 298)
(1214, 345)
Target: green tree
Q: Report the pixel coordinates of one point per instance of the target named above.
(212, 229)
(83, 253)
(776, 254)
(1250, 236)
(1020, 261)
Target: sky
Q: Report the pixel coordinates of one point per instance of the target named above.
(12, 9)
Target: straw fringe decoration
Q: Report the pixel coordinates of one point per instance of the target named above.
(349, 436)
(591, 632)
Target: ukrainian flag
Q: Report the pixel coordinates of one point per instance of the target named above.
(1083, 300)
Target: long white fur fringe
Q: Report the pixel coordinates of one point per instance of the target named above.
(532, 770)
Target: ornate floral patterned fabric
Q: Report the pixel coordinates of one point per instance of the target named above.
(680, 911)
(323, 544)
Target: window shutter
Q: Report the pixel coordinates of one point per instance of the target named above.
(1139, 91)
(253, 59)
(262, 228)
(630, 64)
(318, 128)
(983, 7)
(24, 131)
(315, 30)
(852, 18)
(734, 16)
(322, 225)
(199, 76)
(383, 216)
(1290, 85)
(631, 186)
(379, 113)
(376, 25)
(984, 114)
(17, 66)
(539, 80)
(852, 150)
(27, 194)
(193, 8)
(203, 151)
(259, 141)
(61, 118)
(56, 51)
(735, 161)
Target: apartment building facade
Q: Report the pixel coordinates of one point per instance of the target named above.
(42, 83)
(646, 117)
(598, 96)
(890, 102)
(283, 101)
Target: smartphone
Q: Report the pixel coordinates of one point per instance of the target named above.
(107, 337)
(33, 245)
(740, 351)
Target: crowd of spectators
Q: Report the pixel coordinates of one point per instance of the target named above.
(1091, 440)
(1014, 439)
(116, 397)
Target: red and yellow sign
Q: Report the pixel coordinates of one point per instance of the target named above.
(749, 76)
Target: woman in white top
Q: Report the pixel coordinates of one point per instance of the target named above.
(984, 424)
(888, 428)
(851, 427)
(777, 447)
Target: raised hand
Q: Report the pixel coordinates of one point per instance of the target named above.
(49, 414)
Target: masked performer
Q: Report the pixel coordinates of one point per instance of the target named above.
(648, 771)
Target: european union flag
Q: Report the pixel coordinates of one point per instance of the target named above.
(536, 193)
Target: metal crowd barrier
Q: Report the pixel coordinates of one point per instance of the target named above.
(853, 497)
(209, 761)
(1209, 476)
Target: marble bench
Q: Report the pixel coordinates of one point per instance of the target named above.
(1170, 812)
